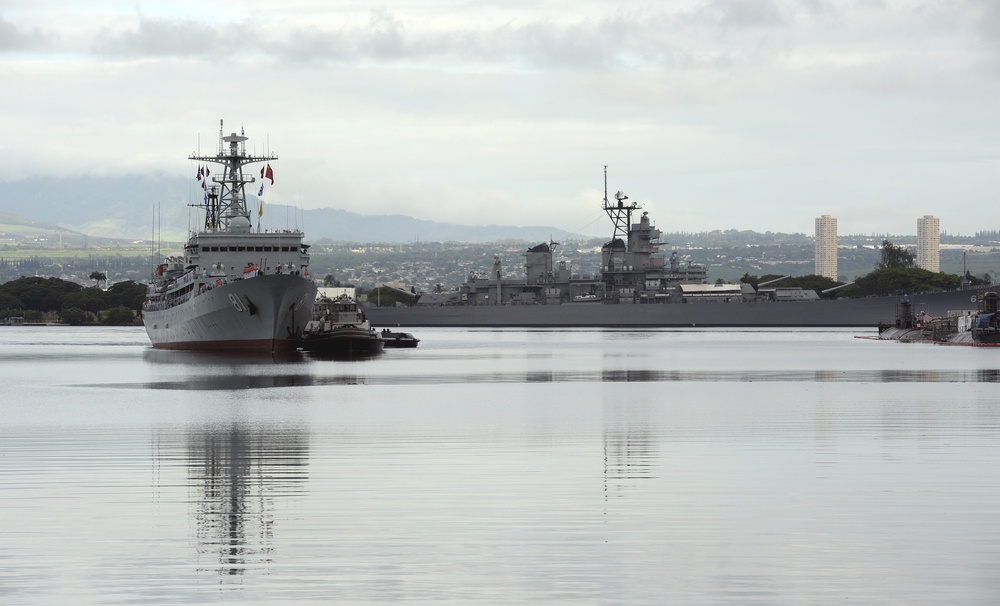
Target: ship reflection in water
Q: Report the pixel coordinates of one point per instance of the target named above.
(670, 467)
(630, 453)
(238, 478)
(301, 370)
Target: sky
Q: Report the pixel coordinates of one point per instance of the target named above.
(711, 114)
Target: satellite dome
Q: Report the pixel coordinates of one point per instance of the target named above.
(239, 223)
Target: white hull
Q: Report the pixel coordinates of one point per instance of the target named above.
(265, 313)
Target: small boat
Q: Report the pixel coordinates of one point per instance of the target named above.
(398, 339)
(339, 329)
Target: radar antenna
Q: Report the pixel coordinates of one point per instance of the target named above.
(226, 204)
(619, 212)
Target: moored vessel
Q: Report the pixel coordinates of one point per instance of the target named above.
(637, 287)
(972, 327)
(986, 328)
(234, 287)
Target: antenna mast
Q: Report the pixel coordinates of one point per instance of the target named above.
(619, 212)
(605, 185)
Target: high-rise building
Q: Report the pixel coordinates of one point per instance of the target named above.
(929, 243)
(826, 246)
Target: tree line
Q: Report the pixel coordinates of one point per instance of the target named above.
(894, 274)
(34, 298)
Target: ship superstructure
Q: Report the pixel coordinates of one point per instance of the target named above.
(234, 287)
(632, 270)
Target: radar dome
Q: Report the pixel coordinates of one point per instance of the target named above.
(239, 223)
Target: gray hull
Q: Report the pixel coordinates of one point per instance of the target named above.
(867, 312)
(265, 313)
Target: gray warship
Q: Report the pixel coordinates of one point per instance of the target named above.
(637, 287)
(234, 288)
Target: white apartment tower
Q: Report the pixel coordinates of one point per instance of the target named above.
(929, 243)
(826, 246)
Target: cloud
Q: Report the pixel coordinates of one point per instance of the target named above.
(160, 38)
(741, 13)
(724, 35)
(533, 44)
(14, 38)
(623, 40)
(752, 114)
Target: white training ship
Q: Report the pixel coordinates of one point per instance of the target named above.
(234, 288)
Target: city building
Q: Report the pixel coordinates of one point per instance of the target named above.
(929, 243)
(826, 246)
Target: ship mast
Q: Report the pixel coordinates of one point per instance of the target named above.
(227, 203)
(619, 212)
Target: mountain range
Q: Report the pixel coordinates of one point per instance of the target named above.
(137, 206)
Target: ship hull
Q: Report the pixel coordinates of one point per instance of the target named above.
(265, 313)
(399, 340)
(905, 334)
(824, 313)
(991, 337)
(346, 342)
(965, 338)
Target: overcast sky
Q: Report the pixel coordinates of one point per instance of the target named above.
(712, 114)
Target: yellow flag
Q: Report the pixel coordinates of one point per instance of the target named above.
(260, 211)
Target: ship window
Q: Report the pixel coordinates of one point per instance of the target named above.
(284, 249)
(241, 249)
(260, 249)
(267, 249)
(294, 248)
(232, 249)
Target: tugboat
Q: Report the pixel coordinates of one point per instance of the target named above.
(234, 288)
(340, 329)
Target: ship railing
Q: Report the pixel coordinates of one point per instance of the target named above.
(160, 302)
(185, 279)
(943, 327)
(154, 304)
(183, 298)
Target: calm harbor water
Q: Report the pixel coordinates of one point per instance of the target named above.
(501, 467)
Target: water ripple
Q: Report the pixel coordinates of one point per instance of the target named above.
(248, 381)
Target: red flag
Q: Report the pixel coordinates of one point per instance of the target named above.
(261, 172)
(198, 176)
(270, 174)
(203, 184)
